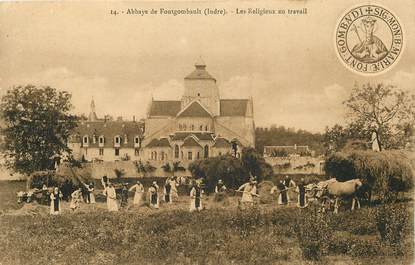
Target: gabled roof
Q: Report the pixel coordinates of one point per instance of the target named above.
(191, 142)
(162, 142)
(109, 130)
(165, 108)
(194, 109)
(221, 143)
(233, 107)
(180, 136)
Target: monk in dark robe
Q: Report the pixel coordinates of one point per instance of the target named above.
(302, 198)
(124, 195)
(282, 199)
(167, 192)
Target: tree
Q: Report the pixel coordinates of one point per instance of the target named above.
(384, 110)
(255, 163)
(38, 124)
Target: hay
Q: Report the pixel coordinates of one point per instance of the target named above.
(264, 189)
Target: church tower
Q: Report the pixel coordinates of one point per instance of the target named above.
(92, 114)
(200, 85)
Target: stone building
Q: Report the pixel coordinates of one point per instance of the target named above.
(200, 125)
(106, 140)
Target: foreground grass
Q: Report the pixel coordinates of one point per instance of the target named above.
(179, 237)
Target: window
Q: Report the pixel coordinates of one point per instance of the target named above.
(193, 127)
(155, 155)
(206, 151)
(101, 140)
(117, 139)
(152, 155)
(198, 94)
(184, 127)
(85, 139)
(162, 155)
(201, 127)
(176, 151)
(136, 140)
(101, 151)
(206, 127)
(189, 155)
(198, 155)
(136, 152)
(117, 151)
(220, 153)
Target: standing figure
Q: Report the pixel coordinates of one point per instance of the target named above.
(153, 192)
(45, 194)
(76, 198)
(196, 197)
(167, 192)
(104, 182)
(282, 197)
(174, 184)
(220, 187)
(138, 195)
(248, 191)
(55, 201)
(124, 195)
(289, 184)
(111, 198)
(302, 197)
(91, 189)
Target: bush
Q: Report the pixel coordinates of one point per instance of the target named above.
(314, 233)
(391, 221)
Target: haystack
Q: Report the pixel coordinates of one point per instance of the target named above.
(264, 189)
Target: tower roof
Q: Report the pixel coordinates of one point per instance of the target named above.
(92, 115)
(200, 71)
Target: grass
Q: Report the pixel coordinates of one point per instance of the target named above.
(265, 235)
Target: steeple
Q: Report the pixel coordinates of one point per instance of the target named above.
(92, 115)
(200, 64)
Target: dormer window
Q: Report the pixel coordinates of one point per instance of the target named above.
(85, 140)
(101, 141)
(117, 141)
(198, 94)
(137, 141)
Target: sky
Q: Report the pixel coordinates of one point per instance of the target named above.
(288, 64)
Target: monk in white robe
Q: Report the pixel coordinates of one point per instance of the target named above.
(248, 191)
(153, 193)
(76, 198)
(139, 192)
(55, 201)
(111, 198)
(196, 198)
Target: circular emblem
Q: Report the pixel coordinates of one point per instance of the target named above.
(369, 39)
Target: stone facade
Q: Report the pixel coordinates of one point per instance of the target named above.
(188, 129)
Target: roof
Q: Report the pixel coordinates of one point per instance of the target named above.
(180, 136)
(195, 109)
(200, 72)
(165, 108)
(221, 143)
(233, 107)
(191, 142)
(163, 142)
(109, 130)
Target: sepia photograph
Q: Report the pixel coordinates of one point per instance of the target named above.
(207, 132)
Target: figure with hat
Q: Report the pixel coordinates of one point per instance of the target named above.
(153, 192)
(248, 191)
(302, 196)
(111, 197)
(289, 185)
(196, 196)
(55, 201)
(124, 195)
(138, 195)
(168, 191)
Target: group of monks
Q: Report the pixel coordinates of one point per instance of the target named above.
(169, 194)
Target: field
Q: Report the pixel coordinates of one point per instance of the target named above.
(267, 234)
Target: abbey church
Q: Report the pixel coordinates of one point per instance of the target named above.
(198, 126)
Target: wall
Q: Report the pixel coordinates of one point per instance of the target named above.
(241, 128)
(295, 162)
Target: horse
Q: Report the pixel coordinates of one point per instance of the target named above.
(337, 189)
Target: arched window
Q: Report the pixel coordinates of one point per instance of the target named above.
(201, 128)
(206, 151)
(176, 151)
(162, 155)
(117, 139)
(136, 140)
(85, 139)
(206, 127)
(184, 127)
(155, 155)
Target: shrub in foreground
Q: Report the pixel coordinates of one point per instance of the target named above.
(391, 221)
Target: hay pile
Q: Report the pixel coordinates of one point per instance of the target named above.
(264, 189)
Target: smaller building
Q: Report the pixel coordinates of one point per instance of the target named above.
(287, 151)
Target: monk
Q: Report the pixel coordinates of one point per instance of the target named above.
(138, 195)
(196, 197)
(111, 198)
(248, 191)
(167, 192)
(302, 197)
(55, 201)
(153, 192)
